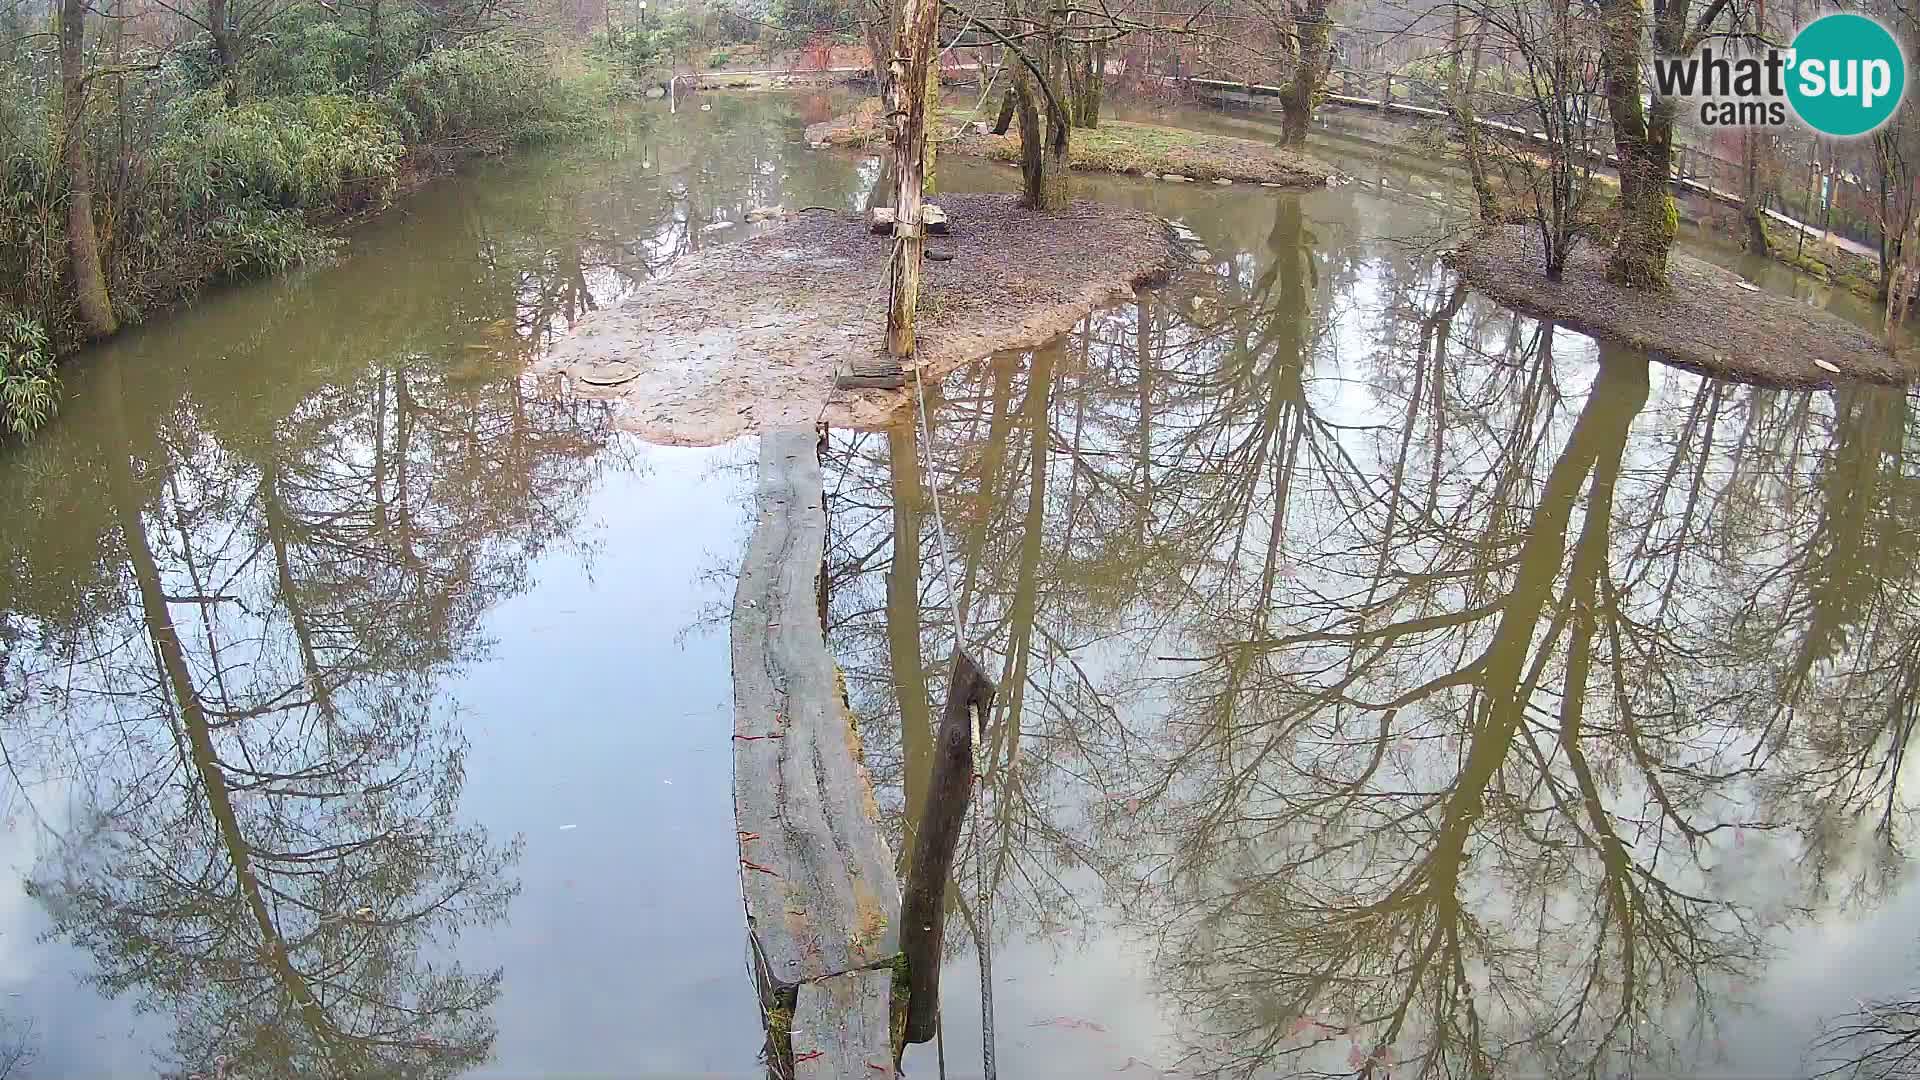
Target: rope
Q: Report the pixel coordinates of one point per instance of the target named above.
(983, 938)
(985, 943)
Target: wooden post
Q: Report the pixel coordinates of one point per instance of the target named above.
(907, 75)
(949, 791)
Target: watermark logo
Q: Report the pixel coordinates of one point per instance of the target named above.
(1844, 76)
(1849, 76)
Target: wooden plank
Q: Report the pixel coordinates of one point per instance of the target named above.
(868, 371)
(819, 883)
(840, 1027)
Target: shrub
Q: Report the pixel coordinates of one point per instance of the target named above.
(189, 189)
(641, 57)
(327, 152)
(29, 387)
(485, 97)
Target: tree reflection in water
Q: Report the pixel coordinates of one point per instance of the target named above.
(1436, 695)
(242, 686)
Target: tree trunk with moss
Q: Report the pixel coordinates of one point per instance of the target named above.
(1086, 111)
(83, 239)
(1032, 140)
(1643, 143)
(1043, 145)
(1313, 31)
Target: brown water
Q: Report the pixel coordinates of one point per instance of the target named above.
(1383, 674)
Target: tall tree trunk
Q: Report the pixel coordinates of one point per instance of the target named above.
(907, 75)
(83, 242)
(220, 25)
(1649, 218)
(932, 112)
(1054, 190)
(1752, 195)
(879, 20)
(1309, 72)
(1033, 164)
(1093, 75)
(377, 45)
(1466, 123)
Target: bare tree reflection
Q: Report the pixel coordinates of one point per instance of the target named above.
(269, 847)
(1419, 701)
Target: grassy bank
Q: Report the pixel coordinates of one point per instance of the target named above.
(204, 171)
(1116, 146)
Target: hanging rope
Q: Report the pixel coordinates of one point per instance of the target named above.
(983, 936)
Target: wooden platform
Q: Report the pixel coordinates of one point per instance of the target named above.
(821, 893)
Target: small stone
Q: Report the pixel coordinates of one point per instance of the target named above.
(935, 219)
(1176, 178)
(1201, 255)
(1826, 365)
(1222, 181)
(979, 127)
(654, 93)
(881, 219)
(1151, 175)
(764, 213)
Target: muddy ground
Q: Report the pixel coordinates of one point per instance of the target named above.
(746, 336)
(1709, 319)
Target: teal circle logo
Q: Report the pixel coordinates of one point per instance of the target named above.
(1848, 76)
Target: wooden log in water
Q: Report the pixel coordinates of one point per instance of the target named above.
(949, 791)
(818, 879)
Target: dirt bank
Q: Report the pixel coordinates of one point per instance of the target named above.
(1710, 320)
(745, 336)
(1115, 146)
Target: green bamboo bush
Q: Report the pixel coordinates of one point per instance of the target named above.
(205, 174)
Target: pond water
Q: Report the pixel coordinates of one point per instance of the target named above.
(1389, 683)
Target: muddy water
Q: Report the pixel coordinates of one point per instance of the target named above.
(1383, 673)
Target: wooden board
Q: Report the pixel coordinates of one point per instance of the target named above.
(844, 1020)
(820, 888)
(876, 371)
